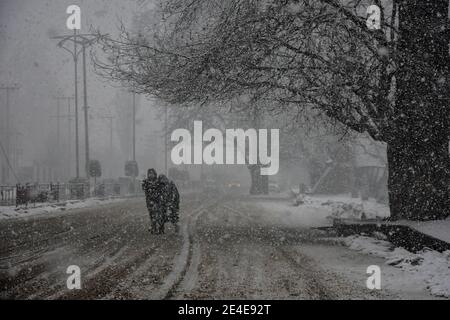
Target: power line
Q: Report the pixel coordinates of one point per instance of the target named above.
(8, 163)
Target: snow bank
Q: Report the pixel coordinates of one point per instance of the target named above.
(316, 211)
(349, 208)
(431, 268)
(306, 216)
(39, 209)
(345, 207)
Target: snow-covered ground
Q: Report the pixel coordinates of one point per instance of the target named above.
(345, 207)
(429, 268)
(317, 211)
(417, 272)
(306, 216)
(45, 208)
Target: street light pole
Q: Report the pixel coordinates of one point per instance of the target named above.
(58, 134)
(69, 135)
(58, 117)
(86, 116)
(134, 139)
(69, 139)
(110, 118)
(134, 126)
(111, 142)
(166, 142)
(77, 141)
(83, 40)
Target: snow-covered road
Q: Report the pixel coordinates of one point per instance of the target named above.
(228, 248)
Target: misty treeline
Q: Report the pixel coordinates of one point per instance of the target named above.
(308, 60)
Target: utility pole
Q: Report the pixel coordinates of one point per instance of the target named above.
(86, 116)
(58, 135)
(7, 128)
(69, 138)
(77, 134)
(58, 118)
(17, 151)
(111, 140)
(134, 126)
(84, 41)
(166, 147)
(110, 119)
(134, 139)
(58, 130)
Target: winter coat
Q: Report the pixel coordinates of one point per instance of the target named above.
(174, 200)
(152, 192)
(164, 192)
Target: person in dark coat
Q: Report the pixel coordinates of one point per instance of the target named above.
(173, 205)
(153, 199)
(164, 199)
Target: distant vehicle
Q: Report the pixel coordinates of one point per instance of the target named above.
(234, 185)
(274, 187)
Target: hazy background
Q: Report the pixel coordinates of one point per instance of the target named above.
(32, 60)
(29, 58)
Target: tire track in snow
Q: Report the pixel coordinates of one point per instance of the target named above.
(184, 270)
(315, 287)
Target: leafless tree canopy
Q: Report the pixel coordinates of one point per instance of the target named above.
(314, 55)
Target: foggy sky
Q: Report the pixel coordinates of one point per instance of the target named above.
(31, 59)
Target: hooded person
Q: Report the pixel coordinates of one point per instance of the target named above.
(153, 200)
(164, 198)
(173, 205)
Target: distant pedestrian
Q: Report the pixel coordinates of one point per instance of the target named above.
(153, 201)
(164, 199)
(21, 195)
(173, 206)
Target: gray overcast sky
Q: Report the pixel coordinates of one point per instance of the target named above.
(30, 58)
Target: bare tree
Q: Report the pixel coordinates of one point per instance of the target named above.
(313, 56)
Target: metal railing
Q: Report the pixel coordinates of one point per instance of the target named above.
(49, 192)
(31, 194)
(7, 196)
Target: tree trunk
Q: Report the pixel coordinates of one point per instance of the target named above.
(418, 153)
(419, 181)
(259, 183)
